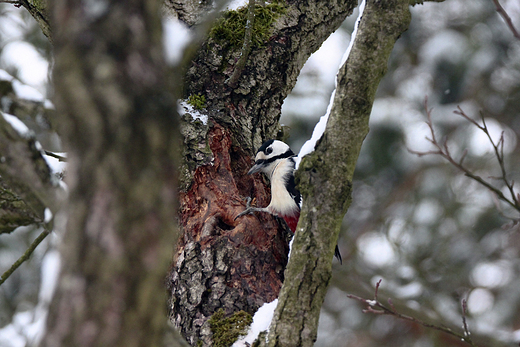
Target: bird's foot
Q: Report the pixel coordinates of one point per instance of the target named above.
(250, 209)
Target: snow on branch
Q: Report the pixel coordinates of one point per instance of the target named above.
(319, 129)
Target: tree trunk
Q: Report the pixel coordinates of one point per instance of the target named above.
(223, 263)
(325, 176)
(121, 131)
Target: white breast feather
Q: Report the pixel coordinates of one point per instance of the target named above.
(281, 201)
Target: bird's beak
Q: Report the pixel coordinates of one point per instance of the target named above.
(256, 168)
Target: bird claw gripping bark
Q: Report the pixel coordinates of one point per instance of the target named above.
(249, 209)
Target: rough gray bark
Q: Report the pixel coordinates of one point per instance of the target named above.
(191, 12)
(223, 263)
(325, 176)
(26, 187)
(120, 129)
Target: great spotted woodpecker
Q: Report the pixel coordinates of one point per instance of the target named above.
(276, 159)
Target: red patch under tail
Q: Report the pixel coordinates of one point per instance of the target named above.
(292, 221)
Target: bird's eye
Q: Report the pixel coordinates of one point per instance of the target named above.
(269, 150)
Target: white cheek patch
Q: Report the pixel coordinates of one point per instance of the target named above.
(279, 147)
(260, 156)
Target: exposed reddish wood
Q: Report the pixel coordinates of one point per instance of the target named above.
(213, 201)
(254, 248)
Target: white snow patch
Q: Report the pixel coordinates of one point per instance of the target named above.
(48, 104)
(183, 107)
(12, 26)
(235, 4)
(176, 38)
(317, 133)
(32, 67)
(17, 124)
(261, 321)
(27, 92)
(290, 247)
(28, 327)
(56, 166)
(5, 76)
(47, 215)
(354, 33)
(319, 129)
(51, 265)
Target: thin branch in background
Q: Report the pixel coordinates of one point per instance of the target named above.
(14, 2)
(464, 305)
(443, 151)
(506, 18)
(376, 307)
(499, 152)
(25, 256)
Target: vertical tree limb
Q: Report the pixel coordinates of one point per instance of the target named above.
(325, 176)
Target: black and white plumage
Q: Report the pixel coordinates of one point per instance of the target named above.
(276, 159)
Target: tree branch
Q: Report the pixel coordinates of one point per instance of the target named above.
(376, 307)
(14, 212)
(25, 256)
(25, 174)
(39, 13)
(325, 176)
(506, 18)
(443, 151)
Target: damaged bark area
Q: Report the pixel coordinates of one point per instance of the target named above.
(222, 262)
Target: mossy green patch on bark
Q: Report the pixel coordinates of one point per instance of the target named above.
(227, 330)
(41, 5)
(198, 101)
(232, 25)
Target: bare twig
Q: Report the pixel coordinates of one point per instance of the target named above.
(25, 256)
(499, 152)
(443, 151)
(506, 18)
(464, 323)
(376, 307)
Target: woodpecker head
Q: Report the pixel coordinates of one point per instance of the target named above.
(269, 156)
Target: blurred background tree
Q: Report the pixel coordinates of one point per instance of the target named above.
(431, 234)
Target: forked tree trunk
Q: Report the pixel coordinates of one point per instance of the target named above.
(223, 263)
